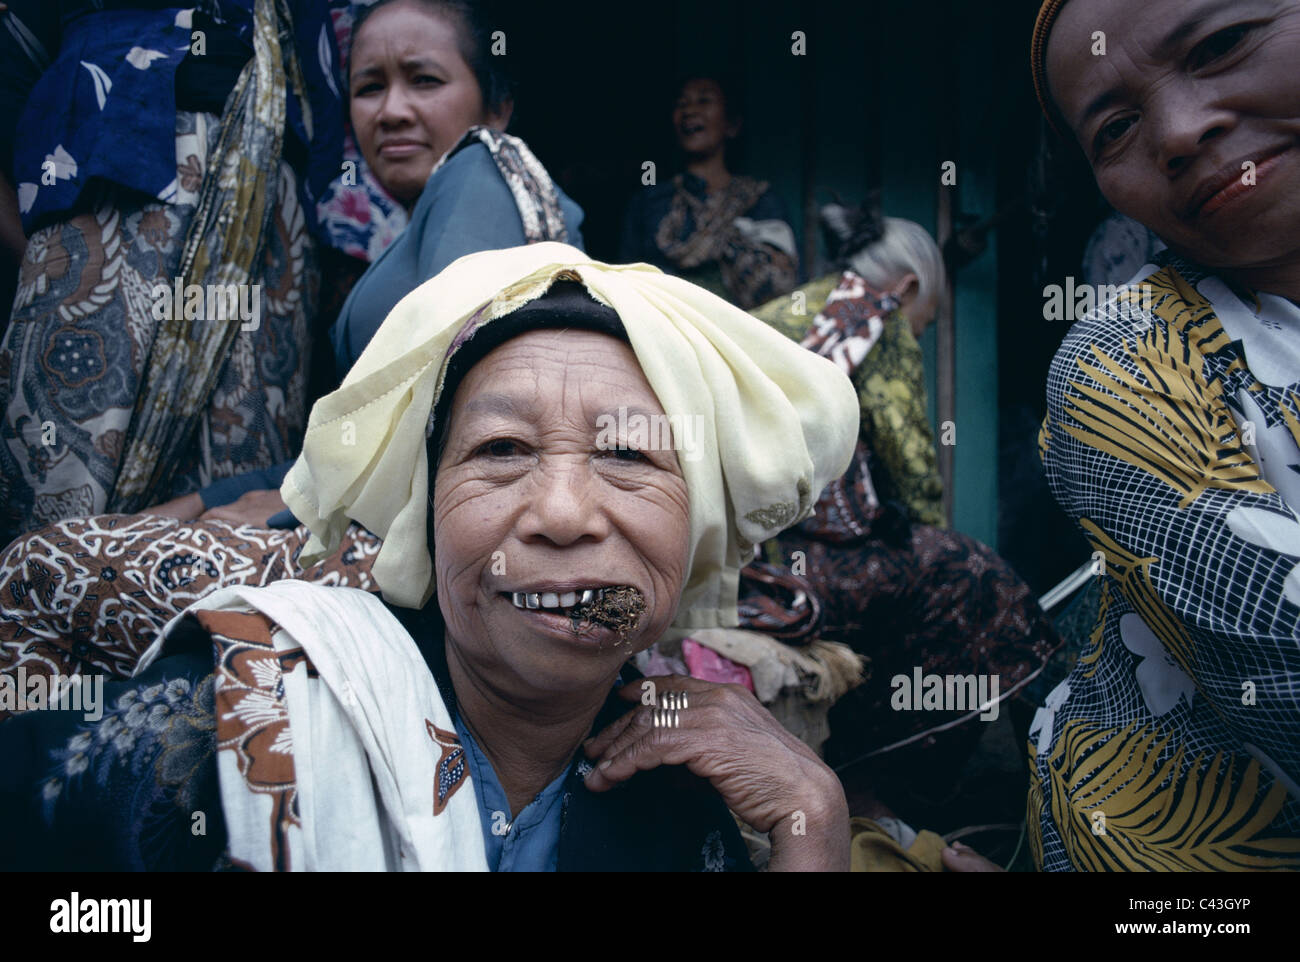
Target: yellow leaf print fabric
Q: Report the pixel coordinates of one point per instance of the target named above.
(1133, 801)
(891, 389)
(1174, 744)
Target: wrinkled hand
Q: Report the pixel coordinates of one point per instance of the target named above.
(253, 508)
(767, 776)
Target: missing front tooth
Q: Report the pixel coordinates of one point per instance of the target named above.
(619, 609)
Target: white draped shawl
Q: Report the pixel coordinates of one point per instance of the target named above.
(358, 717)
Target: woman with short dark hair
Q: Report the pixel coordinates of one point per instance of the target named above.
(726, 232)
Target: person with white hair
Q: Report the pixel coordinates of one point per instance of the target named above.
(903, 260)
(897, 586)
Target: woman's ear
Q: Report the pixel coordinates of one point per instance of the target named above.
(907, 288)
(499, 119)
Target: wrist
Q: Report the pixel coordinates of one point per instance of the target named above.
(814, 836)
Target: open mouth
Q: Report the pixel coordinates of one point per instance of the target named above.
(617, 608)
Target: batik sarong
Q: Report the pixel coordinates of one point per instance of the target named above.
(74, 355)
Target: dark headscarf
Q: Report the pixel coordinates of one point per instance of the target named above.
(1047, 15)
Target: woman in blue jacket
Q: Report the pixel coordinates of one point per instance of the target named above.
(429, 104)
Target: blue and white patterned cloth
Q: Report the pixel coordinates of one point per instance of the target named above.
(95, 97)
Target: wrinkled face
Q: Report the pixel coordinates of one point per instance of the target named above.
(412, 95)
(700, 118)
(532, 497)
(1192, 101)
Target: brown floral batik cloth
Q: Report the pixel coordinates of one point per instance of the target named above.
(76, 355)
(90, 595)
(923, 598)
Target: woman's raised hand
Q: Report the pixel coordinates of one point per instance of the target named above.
(766, 775)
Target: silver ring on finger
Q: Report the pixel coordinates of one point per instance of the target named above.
(675, 700)
(666, 718)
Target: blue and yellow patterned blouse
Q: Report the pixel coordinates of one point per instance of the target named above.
(1173, 439)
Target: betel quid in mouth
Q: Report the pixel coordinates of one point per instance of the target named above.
(619, 609)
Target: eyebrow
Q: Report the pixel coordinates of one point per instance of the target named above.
(1164, 50)
(503, 405)
(630, 412)
(1098, 104)
(508, 405)
(410, 63)
(1197, 17)
(1174, 39)
(640, 412)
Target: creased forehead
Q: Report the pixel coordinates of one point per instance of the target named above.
(586, 364)
(1068, 66)
(565, 306)
(1069, 58)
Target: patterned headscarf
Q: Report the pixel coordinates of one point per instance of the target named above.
(775, 423)
(1047, 15)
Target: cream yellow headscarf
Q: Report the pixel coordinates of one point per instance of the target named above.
(779, 422)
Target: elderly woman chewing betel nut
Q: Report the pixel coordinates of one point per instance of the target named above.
(566, 462)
